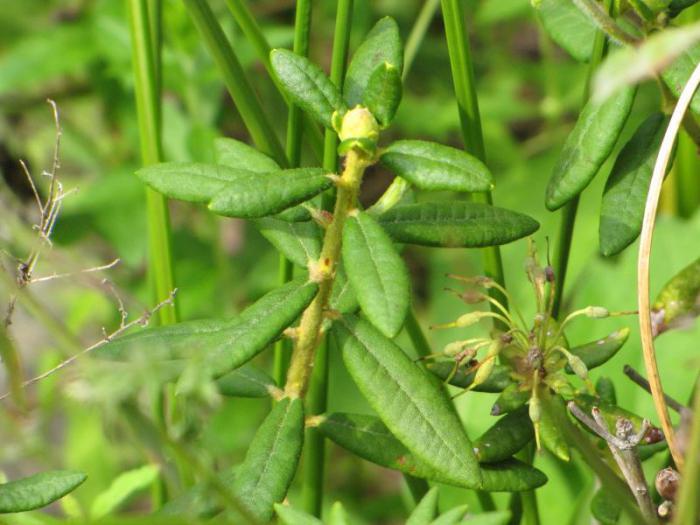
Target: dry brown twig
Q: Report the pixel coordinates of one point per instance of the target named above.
(645, 321)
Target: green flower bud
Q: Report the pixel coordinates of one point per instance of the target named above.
(358, 124)
(596, 312)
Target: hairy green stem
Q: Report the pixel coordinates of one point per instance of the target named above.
(148, 109)
(245, 99)
(562, 250)
(322, 271)
(465, 92)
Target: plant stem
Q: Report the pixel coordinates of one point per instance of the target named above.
(322, 271)
(146, 77)
(688, 509)
(686, 169)
(244, 18)
(314, 448)
(562, 249)
(245, 99)
(465, 92)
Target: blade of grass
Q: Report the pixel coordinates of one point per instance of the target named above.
(468, 104)
(417, 34)
(688, 509)
(562, 250)
(245, 99)
(314, 444)
(251, 29)
(147, 105)
(295, 129)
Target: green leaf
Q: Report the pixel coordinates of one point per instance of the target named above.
(307, 86)
(38, 490)
(512, 398)
(568, 27)
(676, 6)
(199, 501)
(426, 509)
(596, 353)
(587, 147)
(294, 214)
(235, 192)
(239, 155)
(271, 461)
(452, 516)
(431, 166)
(383, 94)
(369, 438)
(221, 345)
(246, 381)
(265, 194)
(300, 242)
(677, 75)
(343, 297)
(122, 489)
(624, 198)
(456, 224)
(291, 516)
(506, 437)
(550, 432)
(498, 517)
(338, 515)
(414, 408)
(679, 299)
(630, 65)
(382, 44)
(604, 508)
(376, 272)
(605, 388)
(498, 380)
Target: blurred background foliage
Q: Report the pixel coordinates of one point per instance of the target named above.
(77, 52)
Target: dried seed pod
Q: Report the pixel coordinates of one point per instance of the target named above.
(667, 481)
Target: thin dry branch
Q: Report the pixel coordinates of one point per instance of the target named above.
(644, 302)
(142, 320)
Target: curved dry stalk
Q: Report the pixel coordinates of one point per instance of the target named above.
(646, 236)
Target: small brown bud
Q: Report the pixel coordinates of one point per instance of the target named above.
(653, 435)
(549, 274)
(667, 481)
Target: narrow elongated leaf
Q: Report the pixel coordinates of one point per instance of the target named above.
(413, 407)
(291, 516)
(376, 272)
(497, 517)
(246, 381)
(235, 192)
(679, 299)
(677, 75)
(382, 44)
(625, 195)
(456, 224)
(124, 487)
(369, 438)
(265, 194)
(343, 297)
(271, 461)
(568, 27)
(236, 154)
(221, 345)
(498, 380)
(604, 508)
(426, 509)
(200, 501)
(588, 146)
(512, 398)
(38, 490)
(383, 93)
(596, 353)
(551, 435)
(506, 437)
(452, 516)
(431, 166)
(307, 86)
(300, 242)
(676, 6)
(338, 515)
